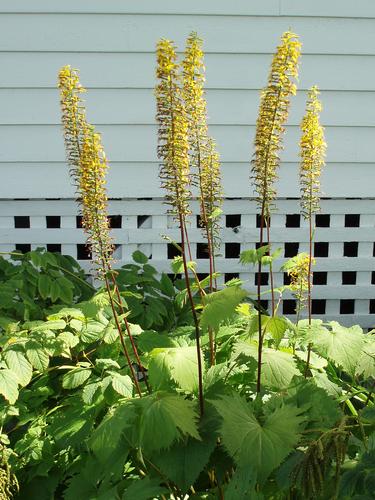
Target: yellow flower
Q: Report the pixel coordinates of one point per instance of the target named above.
(173, 145)
(88, 167)
(312, 152)
(273, 113)
(204, 158)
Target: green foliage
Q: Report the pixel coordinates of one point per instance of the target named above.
(32, 283)
(220, 306)
(69, 410)
(262, 444)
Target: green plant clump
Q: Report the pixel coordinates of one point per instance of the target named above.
(157, 386)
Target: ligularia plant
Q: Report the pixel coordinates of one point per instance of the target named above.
(203, 156)
(312, 151)
(88, 168)
(173, 151)
(270, 128)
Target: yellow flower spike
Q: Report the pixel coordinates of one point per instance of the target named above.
(88, 168)
(204, 158)
(312, 152)
(273, 113)
(173, 145)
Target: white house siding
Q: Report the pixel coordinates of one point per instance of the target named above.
(112, 43)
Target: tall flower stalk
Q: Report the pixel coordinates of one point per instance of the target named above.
(312, 151)
(270, 128)
(173, 152)
(203, 156)
(88, 168)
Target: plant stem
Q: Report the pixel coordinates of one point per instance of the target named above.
(309, 289)
(122, 340)
(260, 333)
(130, 336)
(195, 318)
(271, 271)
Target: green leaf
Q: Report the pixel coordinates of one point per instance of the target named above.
(68, 338)
(278, 367)
(66, 290)
(166, 285)
(242, 485)
(139, 257)
(220, 306)
(149, 340)
(366, 362)
(259, 445)
(177, 265)
(54, 291)
(90, 391)
(91, 331)
(322, 410)
(122, 384)
(177, 363)
(107, 436)
(276, 327)
(58, 324)
(176, 416)
(19, 365)
(76, 377)
(253, 256)
(37, 355)
(8, 385)
(186, 460)
(44, 285)
(144, 489)
(110, 334)
(341, 345)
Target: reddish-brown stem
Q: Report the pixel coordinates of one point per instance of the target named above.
(260, 333)
(309, 289)
(122, 340)
(130, 336)
(271, 271)
(195, 318)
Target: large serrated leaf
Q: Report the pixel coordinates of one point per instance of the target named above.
(19, 365)
(258, 445)
(122, 384)
(341, 345)
(37, 355)
(8, 385)
(220, 306)
(366, 362)
(106, 437)
(145, 489)
(185, 460)
(278, 367)
(75, 378)
(177, 363)
(176, 416)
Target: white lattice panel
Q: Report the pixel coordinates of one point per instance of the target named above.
(344, 287)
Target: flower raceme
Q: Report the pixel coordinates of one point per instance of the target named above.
(273, 113)
(88, 168)
(173, 146)
(204, 158)
(312, 152)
